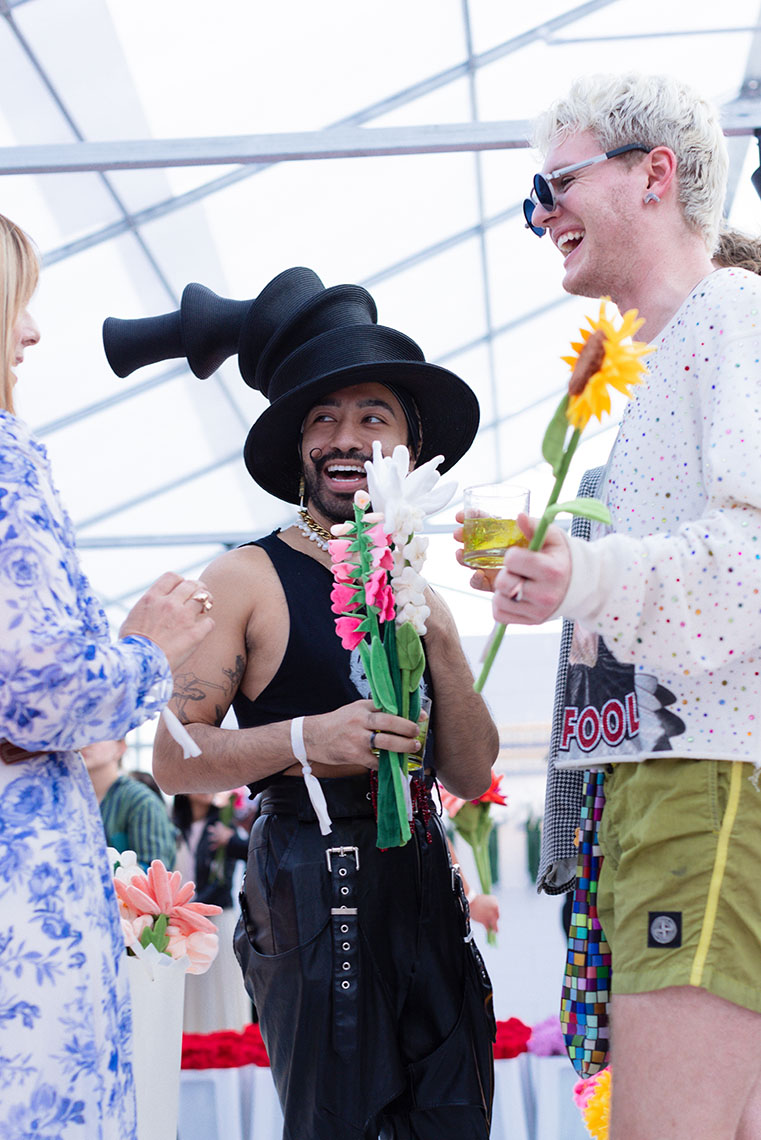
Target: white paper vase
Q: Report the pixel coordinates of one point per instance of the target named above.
(157, 998)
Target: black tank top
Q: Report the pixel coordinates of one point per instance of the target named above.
(316, 675)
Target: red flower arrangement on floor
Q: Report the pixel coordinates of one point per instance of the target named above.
(230, 1050)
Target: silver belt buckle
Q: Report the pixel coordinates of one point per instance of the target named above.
(341, 851)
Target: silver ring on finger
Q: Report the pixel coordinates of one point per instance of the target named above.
(204, 598)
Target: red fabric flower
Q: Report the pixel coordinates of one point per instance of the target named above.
(512, 1038)
(492, 795)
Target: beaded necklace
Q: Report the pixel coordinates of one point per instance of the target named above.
(313, 531)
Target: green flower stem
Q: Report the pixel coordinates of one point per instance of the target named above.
(535, 544)
(483, 867)
(405, 711)
(565, 463)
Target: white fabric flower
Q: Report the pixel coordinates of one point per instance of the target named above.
(405, 497)
(416, 615)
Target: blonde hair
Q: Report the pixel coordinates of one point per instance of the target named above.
(736, 249)
(655, 110)
(19, 273)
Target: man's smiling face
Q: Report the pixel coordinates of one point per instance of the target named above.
(337, 438)
(594, 222)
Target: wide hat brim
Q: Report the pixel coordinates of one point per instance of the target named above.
(448, 408)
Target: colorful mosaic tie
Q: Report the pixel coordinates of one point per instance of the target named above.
(586, 985)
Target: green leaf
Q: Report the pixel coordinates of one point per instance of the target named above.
(553, 443)
(389, 641)
(393, 825)
(156, 935)
(585, 508)
(410, 652)
(380, 678)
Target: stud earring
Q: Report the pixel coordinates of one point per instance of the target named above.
(651, 196)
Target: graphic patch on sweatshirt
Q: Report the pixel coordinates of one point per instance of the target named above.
(609, 709)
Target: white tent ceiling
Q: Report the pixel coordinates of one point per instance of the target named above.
(183, 106)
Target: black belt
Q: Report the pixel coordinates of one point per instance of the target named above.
(343, 864)
(346, 796)
(12, 754)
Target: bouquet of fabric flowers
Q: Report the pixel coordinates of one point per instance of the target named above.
(472, 819)
(158, 917)
(379, 595)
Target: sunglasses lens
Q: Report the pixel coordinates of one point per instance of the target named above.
(528, 213)
(543, 192)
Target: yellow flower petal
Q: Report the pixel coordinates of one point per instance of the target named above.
(621, 369)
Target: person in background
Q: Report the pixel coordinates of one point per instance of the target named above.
(65, 1035)
(134, 819)
(208, 853)
(736, 249)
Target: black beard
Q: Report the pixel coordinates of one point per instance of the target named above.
(335, 507)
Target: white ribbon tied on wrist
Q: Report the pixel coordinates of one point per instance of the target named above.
(179, 733)
(314, 789)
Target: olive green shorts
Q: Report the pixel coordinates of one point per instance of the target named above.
(680, 887)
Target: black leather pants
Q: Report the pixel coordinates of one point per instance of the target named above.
(377, 1023)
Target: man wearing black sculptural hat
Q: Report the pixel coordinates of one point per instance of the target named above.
(373, 1006)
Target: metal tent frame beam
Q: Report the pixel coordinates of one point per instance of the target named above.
(344, 142)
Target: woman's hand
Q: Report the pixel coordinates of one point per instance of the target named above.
(173, 613)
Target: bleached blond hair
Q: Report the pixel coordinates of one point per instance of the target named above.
(655, 110)
(19, 273)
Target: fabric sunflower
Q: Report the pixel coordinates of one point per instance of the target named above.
(606, 357)
(592, 1096)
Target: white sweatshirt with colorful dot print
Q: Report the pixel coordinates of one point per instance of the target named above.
(667, 647)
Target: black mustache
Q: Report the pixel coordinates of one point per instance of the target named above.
(337, 457)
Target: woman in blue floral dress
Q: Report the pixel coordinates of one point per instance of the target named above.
(65, 1022)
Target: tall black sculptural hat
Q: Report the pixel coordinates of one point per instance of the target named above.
(297, 342)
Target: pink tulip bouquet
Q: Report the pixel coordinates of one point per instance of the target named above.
(156, 911)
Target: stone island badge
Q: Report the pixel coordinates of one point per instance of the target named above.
(664, 928)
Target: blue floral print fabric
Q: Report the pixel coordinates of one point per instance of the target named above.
(65, 1021)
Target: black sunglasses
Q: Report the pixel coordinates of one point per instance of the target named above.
(542, 191)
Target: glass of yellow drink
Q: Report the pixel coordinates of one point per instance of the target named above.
(415, 759)
(490, 526)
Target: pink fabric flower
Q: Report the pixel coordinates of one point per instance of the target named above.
(199, 946)
(374, 585)
(386, 604)
(339, 549)
(162, 892)
(348, 630)
(343, 571)
(381, 557)
(377, 535)
(546, 1038)
(344, 597)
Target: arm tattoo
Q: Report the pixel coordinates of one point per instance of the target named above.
(189, 689)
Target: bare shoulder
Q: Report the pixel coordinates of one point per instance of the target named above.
(246, 593)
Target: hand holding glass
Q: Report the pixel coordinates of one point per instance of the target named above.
(490, 523)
